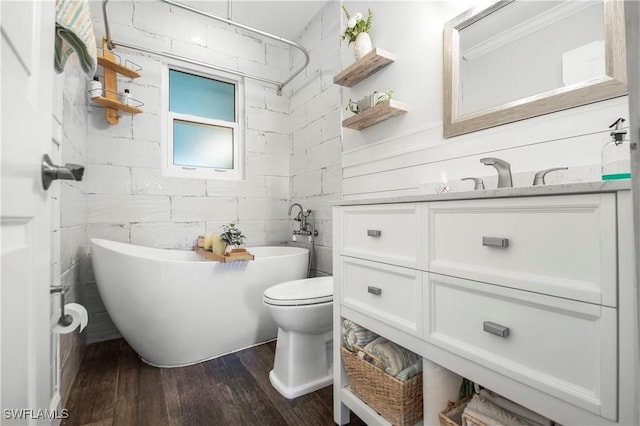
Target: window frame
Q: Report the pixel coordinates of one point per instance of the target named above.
(168, 117)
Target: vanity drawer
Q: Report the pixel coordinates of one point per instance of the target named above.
(565, 348)
(385, 233)
(562, 246)
(390, 294)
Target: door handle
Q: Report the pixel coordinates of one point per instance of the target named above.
(51, 172)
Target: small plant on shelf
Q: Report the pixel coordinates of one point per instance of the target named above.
(376, 98)
(356, 24)
(232, 235)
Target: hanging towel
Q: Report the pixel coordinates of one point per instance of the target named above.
(74, 33)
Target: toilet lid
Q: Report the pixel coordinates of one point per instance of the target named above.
(308, 291)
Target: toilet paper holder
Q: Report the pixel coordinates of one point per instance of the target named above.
(64, 320)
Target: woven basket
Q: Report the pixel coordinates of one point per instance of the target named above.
(468, 420)
(398, 401)
(452, 414)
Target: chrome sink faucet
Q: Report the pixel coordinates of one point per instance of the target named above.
(503, 168)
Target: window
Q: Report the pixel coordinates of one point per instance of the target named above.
(202, 137)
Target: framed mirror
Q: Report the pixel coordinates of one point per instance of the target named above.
(515, 60)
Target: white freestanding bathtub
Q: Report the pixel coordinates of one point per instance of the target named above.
(176, 308)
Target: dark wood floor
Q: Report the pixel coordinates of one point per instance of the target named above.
(114, 387)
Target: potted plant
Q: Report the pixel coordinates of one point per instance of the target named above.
(233, 236)
(357, 32)
(369, 101)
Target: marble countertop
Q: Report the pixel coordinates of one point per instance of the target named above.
(524, 191)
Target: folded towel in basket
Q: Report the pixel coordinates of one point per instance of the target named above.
(410, 371)
(74, 33)
(526, 414)
(354, 334)
(489, 414)
(390, 357)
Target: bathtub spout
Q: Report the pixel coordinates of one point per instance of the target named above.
(299, 216)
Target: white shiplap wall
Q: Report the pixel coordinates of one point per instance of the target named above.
(408, 154)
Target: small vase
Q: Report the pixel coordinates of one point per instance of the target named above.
(362, 45)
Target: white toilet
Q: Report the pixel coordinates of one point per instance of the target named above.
(303, 312)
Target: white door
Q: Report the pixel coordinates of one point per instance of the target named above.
(26, 86)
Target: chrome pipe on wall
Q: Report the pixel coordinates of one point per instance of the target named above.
(279, 85)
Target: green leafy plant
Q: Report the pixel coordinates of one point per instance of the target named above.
(232, 235)
(384, 97)
(352, 106)
(367, 101)
(356, 24)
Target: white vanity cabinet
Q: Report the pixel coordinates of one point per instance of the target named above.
(530, 296)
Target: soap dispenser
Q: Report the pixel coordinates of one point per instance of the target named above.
(616, 156)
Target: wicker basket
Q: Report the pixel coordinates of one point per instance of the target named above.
(452, 414)
(398, 401)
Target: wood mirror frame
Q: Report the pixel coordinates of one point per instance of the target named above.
(611, 85)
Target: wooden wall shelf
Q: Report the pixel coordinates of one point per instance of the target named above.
(376, 114)
(369, 64)
(110, 99)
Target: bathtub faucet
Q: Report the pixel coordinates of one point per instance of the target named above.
(302, 215)
(305, 227)
(299, 217)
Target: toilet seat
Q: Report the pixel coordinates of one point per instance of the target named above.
(309, 291)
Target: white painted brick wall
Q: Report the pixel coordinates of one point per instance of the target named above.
(109, 208)
(267, 165)
(127, 199)
(170, 235)
(122, 151)
(201, 209)
(108, 179)
(261, 209)
(315, 166)
(134, 144)
(69, 244)
(110, 231)
(151, 182)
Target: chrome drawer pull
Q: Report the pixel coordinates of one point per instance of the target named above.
(373, 233)
(497, 329)
(495, 242)
(374, 290)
